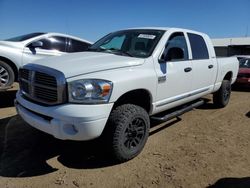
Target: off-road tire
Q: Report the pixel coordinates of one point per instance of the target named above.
(222, 96)
(128, 130)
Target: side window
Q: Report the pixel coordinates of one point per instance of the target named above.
(176, 48)
(54, 43)
(58, 43)
(198, 46)
(77, 46)
(46, 44)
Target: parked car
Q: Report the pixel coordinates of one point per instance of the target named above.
(243, 78)
(239, 57)
(124, 79)
(18, 51)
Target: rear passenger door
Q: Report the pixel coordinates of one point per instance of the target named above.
(204, 66)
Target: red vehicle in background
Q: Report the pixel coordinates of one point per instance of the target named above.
(243, 78)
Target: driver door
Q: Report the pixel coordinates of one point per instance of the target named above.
(174, 71)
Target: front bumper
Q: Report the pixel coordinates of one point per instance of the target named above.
(66, 121)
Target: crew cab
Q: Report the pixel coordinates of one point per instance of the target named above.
(123, 80)
(18, 51)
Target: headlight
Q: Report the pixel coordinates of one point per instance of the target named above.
(89, 91)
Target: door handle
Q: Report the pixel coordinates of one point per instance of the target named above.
(210, 66)
(188, 69)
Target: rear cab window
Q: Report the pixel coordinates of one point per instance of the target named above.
(198, 47)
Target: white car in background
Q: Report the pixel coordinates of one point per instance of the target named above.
(18, 51)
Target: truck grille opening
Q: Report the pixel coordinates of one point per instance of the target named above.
(25, 74)
(45, 79)
(45, 94)
(42, 84)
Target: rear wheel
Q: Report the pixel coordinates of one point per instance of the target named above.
(128, 131)
(7, 75)
(222, 96)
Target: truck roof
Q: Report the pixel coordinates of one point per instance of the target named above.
(168, 28)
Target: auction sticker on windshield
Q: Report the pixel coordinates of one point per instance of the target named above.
(146, 36)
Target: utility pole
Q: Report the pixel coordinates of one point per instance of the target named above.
(246, 32)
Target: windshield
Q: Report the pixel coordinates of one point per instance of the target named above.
(135, 43)
(245, 63)
(24, 37)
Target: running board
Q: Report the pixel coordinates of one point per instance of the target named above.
(178, 112)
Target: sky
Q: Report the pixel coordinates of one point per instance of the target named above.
(93, 19)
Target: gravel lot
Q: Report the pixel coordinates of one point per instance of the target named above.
(208, 147)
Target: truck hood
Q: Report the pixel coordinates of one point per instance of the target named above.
(88, 62)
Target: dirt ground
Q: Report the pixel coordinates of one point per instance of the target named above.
(207, 147)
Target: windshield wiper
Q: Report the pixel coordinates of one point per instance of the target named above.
(111, 50)
(117, 51)
(96, 49)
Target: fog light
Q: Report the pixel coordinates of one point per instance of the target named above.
(70, 129)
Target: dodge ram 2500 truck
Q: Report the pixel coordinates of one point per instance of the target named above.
(122, 80)
(18, 51)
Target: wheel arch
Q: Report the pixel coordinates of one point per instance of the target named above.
(228, 76)
(140, 97)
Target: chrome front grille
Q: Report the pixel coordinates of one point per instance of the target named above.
(42, 84)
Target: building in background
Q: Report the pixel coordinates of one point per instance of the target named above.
(232, 46)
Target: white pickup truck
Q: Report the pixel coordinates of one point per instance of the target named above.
(18, 51)
(124, 79)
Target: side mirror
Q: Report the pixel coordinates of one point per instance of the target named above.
(174, 53)
(36, 44)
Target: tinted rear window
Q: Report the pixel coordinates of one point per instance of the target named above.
(198, 46)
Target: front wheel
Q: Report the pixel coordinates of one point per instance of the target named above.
(128, 131)
(222, 96)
